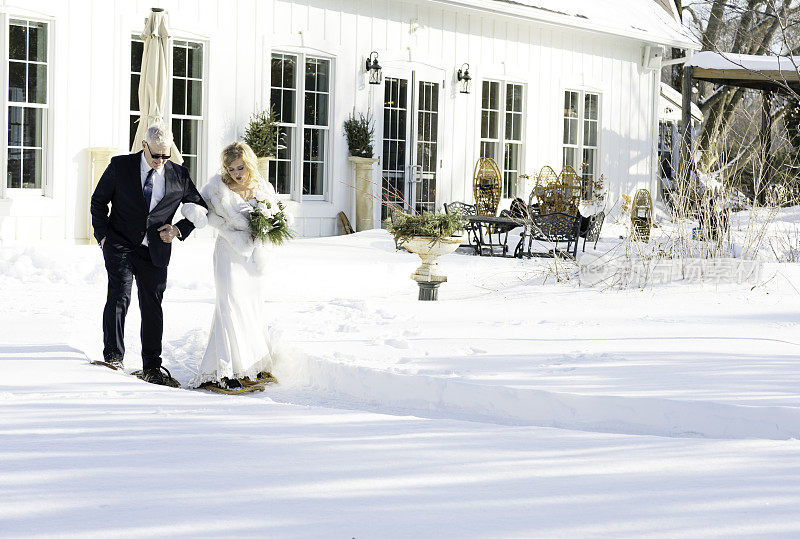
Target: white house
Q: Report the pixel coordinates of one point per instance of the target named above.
(553, 82)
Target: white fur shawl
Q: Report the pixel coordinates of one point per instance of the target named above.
(229, 214)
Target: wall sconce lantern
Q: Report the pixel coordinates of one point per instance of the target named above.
(464, 79)
(374, 68)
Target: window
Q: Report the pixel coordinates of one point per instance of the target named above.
(490, 117)
(27, 104)
(283, 97)
(395, 115)
(581, 119)
(187, 99)
(304, 123)
(512, 146)
(137, 50)
(501, 129)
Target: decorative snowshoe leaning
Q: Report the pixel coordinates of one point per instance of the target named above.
(486, 186)
(557, 193)
(641, 215)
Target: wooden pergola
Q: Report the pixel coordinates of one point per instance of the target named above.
(768, 74)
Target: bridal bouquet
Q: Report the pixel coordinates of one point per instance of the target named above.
(269, 221)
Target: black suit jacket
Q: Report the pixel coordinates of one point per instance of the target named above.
(129, 221)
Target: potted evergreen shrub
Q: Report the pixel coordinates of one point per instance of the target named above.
(360, 134)
(262, 136)
(429, 235)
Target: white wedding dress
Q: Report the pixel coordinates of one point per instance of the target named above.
(238, 345)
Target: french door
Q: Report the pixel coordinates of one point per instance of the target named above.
(410, 142)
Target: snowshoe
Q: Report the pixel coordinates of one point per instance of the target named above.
(155, 376)
(112, 366)
(229, 386)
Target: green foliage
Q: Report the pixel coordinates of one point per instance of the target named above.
(359, 132)
(270, 225)
(432, 225)
(262, 133)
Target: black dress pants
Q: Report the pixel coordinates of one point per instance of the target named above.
(123, 265)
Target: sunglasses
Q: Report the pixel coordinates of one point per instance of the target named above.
(156, 155)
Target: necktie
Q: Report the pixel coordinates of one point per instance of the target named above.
(148, 188)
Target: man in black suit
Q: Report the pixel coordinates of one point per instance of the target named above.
(144, 190)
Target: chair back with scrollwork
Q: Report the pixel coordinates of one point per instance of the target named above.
(464, 209)
(486, 186)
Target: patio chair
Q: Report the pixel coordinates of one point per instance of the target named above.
(593, 232)
(469, 227)
(554, 228)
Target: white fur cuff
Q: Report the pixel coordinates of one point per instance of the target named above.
(197, 214)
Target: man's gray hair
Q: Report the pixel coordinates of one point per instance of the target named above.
(158, 135)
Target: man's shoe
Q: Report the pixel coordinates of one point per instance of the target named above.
(115, 362)
(154, 376)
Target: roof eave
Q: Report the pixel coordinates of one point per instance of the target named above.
(757, 80)
(543, 16)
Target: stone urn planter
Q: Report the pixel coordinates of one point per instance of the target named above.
(263, 166)
(427, 275)
(364, 192)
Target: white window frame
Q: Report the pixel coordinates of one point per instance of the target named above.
(501, 141)
(131, 73)
(46, 188)
(299, 126)
(202, 142)
(580, 146)
(169, 116)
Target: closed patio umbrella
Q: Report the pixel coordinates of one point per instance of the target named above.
(154, 79)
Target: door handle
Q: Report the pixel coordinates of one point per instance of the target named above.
(415, 178)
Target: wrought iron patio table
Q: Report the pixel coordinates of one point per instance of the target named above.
(492, 232)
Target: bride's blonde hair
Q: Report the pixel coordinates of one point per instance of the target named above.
(240, 150)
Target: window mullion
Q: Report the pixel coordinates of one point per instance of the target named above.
(581, 121)
(296, 189)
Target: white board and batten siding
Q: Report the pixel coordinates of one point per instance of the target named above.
(89, 82)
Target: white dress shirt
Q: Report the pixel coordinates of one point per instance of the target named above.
(159, 185)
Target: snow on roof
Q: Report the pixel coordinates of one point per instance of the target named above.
(671, 104)
(647, 20)
(744, 62)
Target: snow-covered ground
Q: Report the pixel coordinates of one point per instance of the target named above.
(517, 405)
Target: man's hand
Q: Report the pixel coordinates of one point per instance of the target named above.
(102, 242)
(168, 233)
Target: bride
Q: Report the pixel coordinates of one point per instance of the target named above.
(238, 346)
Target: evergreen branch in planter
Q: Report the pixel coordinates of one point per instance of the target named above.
(262, 133)
(359, 132)
(437, 226)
